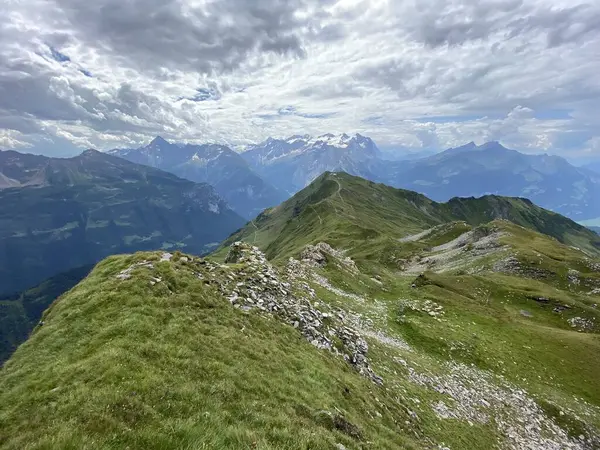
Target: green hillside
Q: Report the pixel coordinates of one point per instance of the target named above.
(339, 208)
(380, 320)
(124, 363)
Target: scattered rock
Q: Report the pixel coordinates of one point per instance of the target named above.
(479, 395)
(320, 254)
(573, 277)
(427, 307)
(320, 324)
(125, 274)
(462, 252)
(512, 266)
(582, 324)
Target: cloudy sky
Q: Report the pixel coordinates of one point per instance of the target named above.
(411, 74)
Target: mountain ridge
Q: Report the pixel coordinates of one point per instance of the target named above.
(469, 170)
(215, 164)
(379, 320)
(96, 204)
(412, 211)
(549, 181)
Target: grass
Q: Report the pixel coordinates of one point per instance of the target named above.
(122, 364)
(349, 211)
(127, 364)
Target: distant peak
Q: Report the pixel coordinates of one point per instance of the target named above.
(492, 145)
(158, 140)
(90, 152)
(471, 146)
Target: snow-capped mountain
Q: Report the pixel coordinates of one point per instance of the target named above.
(231, 176)
(293, 163)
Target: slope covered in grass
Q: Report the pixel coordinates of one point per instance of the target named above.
(338, 207)
(413, 326)
(126, 363)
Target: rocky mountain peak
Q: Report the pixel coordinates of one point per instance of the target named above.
(492, 146)
(158, 141)
(90, 152)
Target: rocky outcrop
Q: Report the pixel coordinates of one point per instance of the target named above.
(513, 266)
(257, 286)
(320, 254)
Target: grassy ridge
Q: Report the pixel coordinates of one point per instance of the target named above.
(122, 364)
(341, 208)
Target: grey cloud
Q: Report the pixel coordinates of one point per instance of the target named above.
(218, 37)
(31, 93)
(452, 22)
(161, 67)
(561, 25)
(27, 89)
(443, 22)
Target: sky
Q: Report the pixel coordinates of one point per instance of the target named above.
(413, 75)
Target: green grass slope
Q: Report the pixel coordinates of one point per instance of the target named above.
(338, 207)
(127, 364)
(485, 334)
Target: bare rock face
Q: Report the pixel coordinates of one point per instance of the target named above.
(320, 254)
(234, 254)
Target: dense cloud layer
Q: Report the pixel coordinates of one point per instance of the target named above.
(408, 73)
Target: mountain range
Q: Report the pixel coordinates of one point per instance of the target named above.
(353, 315)
(58, 214)
(471, 170)
(291, 164)
(245, 192)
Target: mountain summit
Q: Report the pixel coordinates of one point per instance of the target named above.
(294, 162)
(217, 165)
(471, 170)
